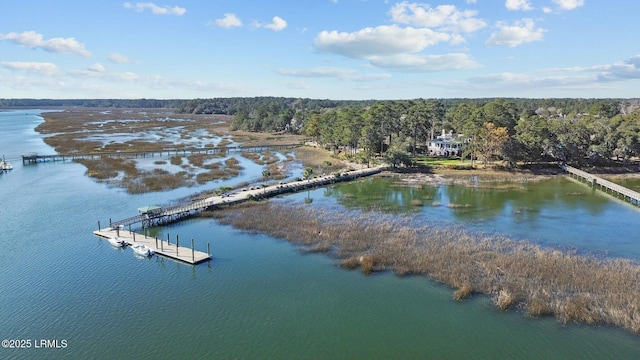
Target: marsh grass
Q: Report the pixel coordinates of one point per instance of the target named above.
(108, 167)
(416, 202)
(224, 143)
(220, 171)
(539, 281)
(463, 292)
(176, 160)
(255, 157)
(69, 132)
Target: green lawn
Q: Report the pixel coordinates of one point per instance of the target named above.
(439, 161)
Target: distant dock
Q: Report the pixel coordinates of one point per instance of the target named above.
(161, 247)
(607, 186)
(33, 158)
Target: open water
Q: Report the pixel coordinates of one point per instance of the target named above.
(69, 295)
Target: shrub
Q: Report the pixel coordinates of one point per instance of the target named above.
(463, 292)
(350, 263)
(505, 300)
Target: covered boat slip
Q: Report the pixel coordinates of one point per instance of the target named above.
(161, 247)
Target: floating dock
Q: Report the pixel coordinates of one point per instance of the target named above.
(162, 247)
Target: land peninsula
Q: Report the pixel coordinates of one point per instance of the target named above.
(539, 281)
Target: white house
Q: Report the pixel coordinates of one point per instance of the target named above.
(446, 145)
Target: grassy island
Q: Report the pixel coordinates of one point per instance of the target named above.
(539, 281)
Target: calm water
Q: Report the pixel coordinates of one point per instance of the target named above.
(261, 298)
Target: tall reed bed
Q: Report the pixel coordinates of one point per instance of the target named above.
(540, 281)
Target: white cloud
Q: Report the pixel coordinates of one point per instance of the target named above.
(43, 68)
(329, 72)
(520, 32)
(569, 4)
(378, 41)
(119, 58)
(547, 10)
(622, 70)
(277, 24)
(22, 83)
(55, 45)
(424, 63)
(402, 48)
(442, 17)
(518, 5)
(155, 9)
(228, 21)
(528, 81)
(97, 67)
(573, 78)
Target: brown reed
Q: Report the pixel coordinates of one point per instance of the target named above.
(540, 281)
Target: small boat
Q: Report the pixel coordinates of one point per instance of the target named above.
(117, 242)
(142, 250)
(5, 165)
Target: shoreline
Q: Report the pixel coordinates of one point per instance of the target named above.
(462, 275)
(517, 275)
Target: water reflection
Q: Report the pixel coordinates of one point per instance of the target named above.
(556, 212)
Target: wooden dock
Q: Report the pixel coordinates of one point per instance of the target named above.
(177, 212)
(32, 158)
(605, 185)
(162, 247)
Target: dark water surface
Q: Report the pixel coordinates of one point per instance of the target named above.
(260, 297)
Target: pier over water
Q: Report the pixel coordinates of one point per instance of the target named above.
(32, 158)
(605, 185)
(172, 213)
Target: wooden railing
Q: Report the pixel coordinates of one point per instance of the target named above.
(628, 194)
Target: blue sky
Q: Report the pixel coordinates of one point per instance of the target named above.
(323, 49)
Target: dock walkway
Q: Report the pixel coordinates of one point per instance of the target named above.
(32, 158)
(605, 185)
(178, 211)
(161, 247)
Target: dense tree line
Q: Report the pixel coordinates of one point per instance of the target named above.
(98, 103)
(251, 105)
(576, 131)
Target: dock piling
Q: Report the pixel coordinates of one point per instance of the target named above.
(180, 253)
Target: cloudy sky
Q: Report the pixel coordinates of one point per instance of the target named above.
(335, 49)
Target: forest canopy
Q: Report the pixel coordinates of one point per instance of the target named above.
(578, 131)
